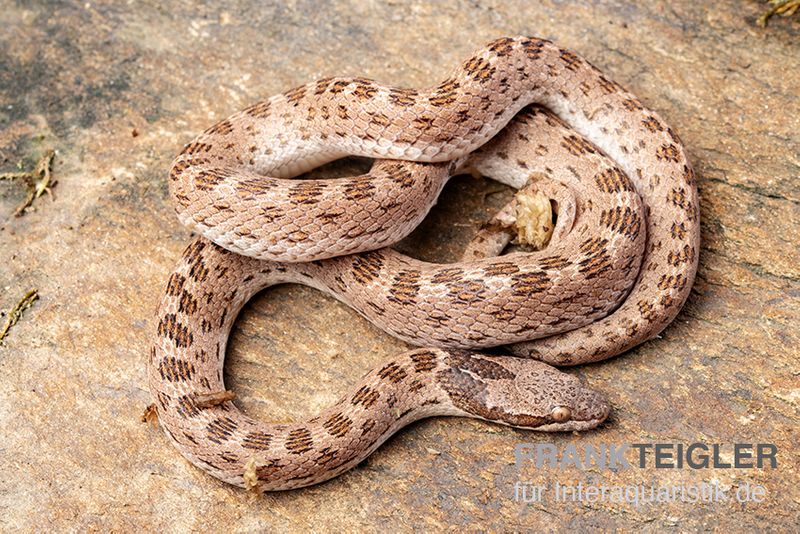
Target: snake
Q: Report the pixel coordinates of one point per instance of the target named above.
(618, 268)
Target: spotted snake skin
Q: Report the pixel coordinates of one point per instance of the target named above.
(618, 269)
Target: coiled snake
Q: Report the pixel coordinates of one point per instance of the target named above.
(619, 266)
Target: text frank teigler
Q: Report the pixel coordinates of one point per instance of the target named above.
(617, 457)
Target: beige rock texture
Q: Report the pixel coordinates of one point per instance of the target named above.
(118, 87)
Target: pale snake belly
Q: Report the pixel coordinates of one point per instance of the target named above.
(555, 305)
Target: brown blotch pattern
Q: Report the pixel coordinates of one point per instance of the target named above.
(597, 260)
(196, 147)
(533, 47)
(367, 267)
(176, 369)
(622, 220)
(187, 407)
(479, 69)
(405, 286)
(554, 262)
(571, 60)
(688, 176)
(608, 86)
(481, 367)
(198, 271)
(612, 180)
(295, 96)
(221, 429)
(299, 441)
(467, 291)
(187, 303)
(577, 146)
(678, 231)
(465, 393)
(338, 425)
(677, 258)
(338, 86)
(647, 310)
(249, 187)
(677, 197)
(424, 361)
(358, 189)
(502, 46)
(668, 152)
(365, 91)
(322, 85)
(223, 127)
(672, 281)
(169, 327)
(447, 275)
(652, 124)
(392, 372)
(402, 97)
(501, 268)
(379, 119)
(400, 174)
(207, 179)
(175, 284)
(632, 104)
(259, 110)
(367, 426)
(306, 192)
(530, 283)
(365, 396)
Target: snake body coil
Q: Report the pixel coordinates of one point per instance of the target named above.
(610, 278)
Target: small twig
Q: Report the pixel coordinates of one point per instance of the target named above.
(10, 176)
(38, 181)
(26, 203)
(785, 8)
(17, 311)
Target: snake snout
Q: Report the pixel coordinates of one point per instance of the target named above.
(591, 407)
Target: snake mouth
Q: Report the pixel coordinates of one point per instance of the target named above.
(571, 426)
(587, 419)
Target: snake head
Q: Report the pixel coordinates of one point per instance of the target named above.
(521, 393)
(554, 400)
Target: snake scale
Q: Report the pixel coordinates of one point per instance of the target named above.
(618, 268)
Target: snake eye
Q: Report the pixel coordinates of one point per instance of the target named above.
(561, 414)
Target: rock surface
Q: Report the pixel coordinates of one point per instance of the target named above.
(117, 88)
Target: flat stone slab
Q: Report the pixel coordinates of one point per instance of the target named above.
(117, 89)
